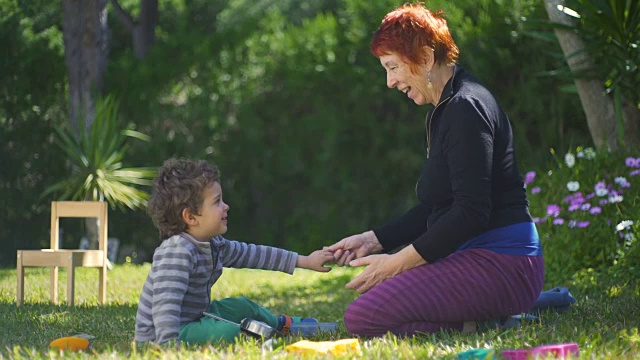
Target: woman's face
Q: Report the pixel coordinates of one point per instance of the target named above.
(399, 76)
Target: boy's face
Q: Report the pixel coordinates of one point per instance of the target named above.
(212, 220)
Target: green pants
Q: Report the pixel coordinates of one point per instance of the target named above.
(209, 330)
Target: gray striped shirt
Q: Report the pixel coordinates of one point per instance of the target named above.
(178, 287)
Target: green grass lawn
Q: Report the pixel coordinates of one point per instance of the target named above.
(604, 321)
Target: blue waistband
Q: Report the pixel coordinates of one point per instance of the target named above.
(516, 239)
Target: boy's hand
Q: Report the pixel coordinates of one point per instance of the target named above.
(316, 260)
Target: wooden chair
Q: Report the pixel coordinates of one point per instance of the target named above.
(55, 257)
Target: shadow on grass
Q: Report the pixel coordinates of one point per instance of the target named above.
(34, 326)
(325, 299)
(7, 272)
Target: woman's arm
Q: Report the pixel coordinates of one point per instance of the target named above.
(382, 267)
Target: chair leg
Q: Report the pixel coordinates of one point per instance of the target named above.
(20, 289)
(102, 288)
(70, 284)
(54, 285)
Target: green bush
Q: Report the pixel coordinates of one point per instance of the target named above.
(283, 95)
(587, 207)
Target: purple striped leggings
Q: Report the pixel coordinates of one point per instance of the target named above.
(469, 285)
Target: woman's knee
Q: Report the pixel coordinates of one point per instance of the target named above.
(352, 322)
(357, 324)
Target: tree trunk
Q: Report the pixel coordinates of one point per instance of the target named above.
(632, 126)
(598, 107)
(143, 30)
(85, 48)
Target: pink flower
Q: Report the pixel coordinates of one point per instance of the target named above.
(583, 224)
(553, 210)
(529, 177)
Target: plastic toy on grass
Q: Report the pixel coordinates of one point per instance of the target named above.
(335, 348)
(71, 343)
(557, 351)
(477, 354)
(312, 328)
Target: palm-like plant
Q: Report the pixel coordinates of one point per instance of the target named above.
(97, 172)
(611, 29)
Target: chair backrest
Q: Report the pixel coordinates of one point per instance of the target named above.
(79, 209)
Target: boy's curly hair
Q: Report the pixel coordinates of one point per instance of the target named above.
(180, 184)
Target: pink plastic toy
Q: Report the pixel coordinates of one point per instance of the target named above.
(516, 354)
(558, 351)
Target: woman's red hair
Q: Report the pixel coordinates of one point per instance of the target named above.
(409, 31)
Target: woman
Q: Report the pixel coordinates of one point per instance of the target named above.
(471, 251)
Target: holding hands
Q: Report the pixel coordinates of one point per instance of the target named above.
(356, 251)
(316, 260)
(355, 247)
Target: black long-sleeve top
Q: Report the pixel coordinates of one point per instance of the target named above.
(469, 183)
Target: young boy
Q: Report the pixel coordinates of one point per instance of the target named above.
(187, 208)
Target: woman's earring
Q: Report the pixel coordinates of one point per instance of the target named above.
(429, 79)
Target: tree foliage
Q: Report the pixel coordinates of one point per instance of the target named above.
(283, 96)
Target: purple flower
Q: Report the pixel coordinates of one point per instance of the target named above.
(595, 210)
(634, 172)
(583, 224)
(590, 196)
(553, 210)
(573, 207)
(578, 201)
(585, 207)
(622, 181)
(535, 190)
(539, 221)
(603, 202)
(572, 223)
(529, 177)
(558, 221)
(630, 162)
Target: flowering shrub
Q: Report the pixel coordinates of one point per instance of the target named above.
(587, 210)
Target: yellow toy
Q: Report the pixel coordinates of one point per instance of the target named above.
(336, 348)
(70, 343)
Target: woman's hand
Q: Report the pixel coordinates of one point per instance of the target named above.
(382, 267)
(316, 260)
(355, 247)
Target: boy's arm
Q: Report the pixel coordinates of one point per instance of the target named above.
(237, 254)
(171, 279)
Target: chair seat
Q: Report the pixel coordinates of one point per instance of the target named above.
(54, 257)
(62, 257)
